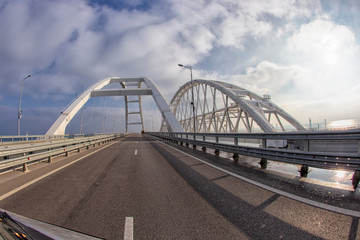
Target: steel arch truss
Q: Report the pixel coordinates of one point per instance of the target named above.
(223, 107)
(130, 87)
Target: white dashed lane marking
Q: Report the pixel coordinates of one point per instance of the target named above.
(129, 228)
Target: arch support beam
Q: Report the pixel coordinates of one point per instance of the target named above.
(120, 92)
(59, 126)
(224, 107)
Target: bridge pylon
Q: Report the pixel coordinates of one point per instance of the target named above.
(221, 107)
(129, 87)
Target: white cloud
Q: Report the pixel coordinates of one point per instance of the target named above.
(331, 54)
(321, 73)
(324, 42)
(268, 77)
(34, 34)
(69, 44)
(288, 9)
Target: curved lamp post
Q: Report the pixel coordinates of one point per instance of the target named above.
(19, 111)
(192, 93)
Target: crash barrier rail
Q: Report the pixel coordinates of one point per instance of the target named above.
(7, 151)
(280, 151)
(22, 155)
(16, 140)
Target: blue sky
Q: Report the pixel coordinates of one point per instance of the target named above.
(305, 54)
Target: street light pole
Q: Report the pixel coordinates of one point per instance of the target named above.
(19, 111)
(192, 93)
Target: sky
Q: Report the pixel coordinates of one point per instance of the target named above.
(305, 54)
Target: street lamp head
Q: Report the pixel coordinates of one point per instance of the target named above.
(181, 65)
(26, 77)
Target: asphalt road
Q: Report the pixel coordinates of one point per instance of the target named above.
(168, 194)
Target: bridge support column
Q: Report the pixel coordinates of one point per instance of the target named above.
(187, 144)
(194, 146)
(356, 179)
(304, 170)
(181, 143)
(263, 163)
(203, 149)
(236, 158)
(217, 152)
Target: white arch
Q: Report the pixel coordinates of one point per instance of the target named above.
(252, 106)
(59, 126)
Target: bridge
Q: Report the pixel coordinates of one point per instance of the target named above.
(175, 183)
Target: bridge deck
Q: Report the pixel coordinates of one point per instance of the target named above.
(170, 195)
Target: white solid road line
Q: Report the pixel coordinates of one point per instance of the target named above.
(277, 191)
(135, 151)
(8, 194)
(129, 228)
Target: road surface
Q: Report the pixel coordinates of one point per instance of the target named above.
(162, 193)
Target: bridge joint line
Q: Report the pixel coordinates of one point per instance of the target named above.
(313, 203)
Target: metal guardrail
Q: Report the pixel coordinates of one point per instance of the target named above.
(8, 151)
(321, 135)
(19, 139)
(21, 155)
(319, 159)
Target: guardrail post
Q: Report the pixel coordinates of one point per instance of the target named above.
(194, 145)
(304, 170)
(306, 145)
(79, 150)
(356, 179)
(25, 168)
(203, 149)
(50, 159)
(67, 154)
(217, 152)
(263, 162)
(236, 158)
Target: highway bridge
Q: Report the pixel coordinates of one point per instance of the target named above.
(168, 185)
(169, 191)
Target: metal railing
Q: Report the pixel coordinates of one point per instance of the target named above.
(14, 156)
(18, 139)
(328, 150)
